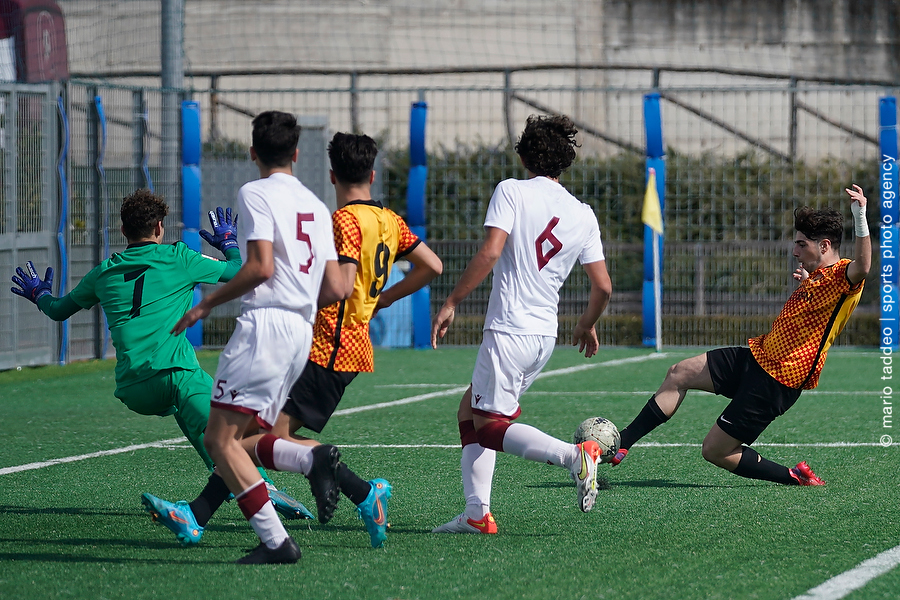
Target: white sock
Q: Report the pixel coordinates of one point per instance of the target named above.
(268, 526)
(292, 457)
(533, 444)
(477, 475)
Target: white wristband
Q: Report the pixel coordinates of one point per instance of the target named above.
(860, 227)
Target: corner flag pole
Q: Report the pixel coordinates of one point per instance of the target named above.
(651, 215)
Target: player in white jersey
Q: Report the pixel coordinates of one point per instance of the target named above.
(535, 231)
(287, 239)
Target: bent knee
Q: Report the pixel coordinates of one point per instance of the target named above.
(713, 454)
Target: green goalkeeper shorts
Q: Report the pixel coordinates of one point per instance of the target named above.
(179, 392)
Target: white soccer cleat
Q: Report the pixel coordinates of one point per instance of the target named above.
(584, 472)
(463, 524)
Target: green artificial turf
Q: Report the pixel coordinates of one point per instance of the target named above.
(667, 526)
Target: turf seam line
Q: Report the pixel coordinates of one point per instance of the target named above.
(842, 585)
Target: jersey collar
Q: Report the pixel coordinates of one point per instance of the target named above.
(374, 203)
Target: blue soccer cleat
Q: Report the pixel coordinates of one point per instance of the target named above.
(287, 506)
(373, 511)
(178, 517)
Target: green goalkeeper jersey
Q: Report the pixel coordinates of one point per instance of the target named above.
(143, 291)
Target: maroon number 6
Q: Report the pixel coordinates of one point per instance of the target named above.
(304, 237)
(547, 236)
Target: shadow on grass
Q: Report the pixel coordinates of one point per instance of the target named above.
(666, 483)
(82, 558)
(603, 484)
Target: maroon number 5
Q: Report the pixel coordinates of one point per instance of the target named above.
(219, 390)
(547, 236)
(304, 237)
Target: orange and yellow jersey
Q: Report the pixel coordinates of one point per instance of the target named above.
(794, 351)
(373, 237)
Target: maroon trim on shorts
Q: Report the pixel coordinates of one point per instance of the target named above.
(497, 416)
(232, 407)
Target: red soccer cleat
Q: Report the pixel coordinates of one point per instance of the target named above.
(620, 455)
(804, 475)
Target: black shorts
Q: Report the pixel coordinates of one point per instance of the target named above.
(315, 396)
(756, 397)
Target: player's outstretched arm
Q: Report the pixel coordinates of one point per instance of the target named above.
(40, 291)
(862, 248)
(426, 266)
(479, 267)
(585, 336)
(260, 266)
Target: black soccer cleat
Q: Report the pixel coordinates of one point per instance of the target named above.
(288, 552)
(323, 480)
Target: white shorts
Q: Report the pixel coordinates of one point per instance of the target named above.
(263, 358)
(506, 366)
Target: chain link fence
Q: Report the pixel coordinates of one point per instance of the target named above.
(740, 158)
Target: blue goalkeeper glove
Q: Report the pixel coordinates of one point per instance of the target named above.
(224, 230)
(30, 285)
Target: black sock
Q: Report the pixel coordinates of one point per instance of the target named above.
(210, 499)
(352, 486)
(754, 466)
(650, 417)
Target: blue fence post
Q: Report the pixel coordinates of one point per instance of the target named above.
(190, 194)
(415, 217)
(63, 227)
(890, 232)
(655, 160)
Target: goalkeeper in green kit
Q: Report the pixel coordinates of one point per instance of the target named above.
(143, 291)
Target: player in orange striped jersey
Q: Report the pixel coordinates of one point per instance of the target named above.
(369, 238)
(764, 380)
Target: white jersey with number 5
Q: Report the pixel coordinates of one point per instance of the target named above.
(549, 229)
(283, 211)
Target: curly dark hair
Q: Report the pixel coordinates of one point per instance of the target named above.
(275, 137)
(820, 224)
(352, 157)
(547, 146)
(140, 213)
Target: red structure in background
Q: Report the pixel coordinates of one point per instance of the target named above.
(39, 31)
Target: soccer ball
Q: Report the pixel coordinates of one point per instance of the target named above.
(601, 431)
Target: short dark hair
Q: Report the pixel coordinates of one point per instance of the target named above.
(140, 213)
(352, 157)
(275, 137)
(820, 224)
(547, 146)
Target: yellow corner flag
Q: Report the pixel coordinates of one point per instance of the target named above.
(651, 214)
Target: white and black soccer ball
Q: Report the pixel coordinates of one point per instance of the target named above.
(602, 431)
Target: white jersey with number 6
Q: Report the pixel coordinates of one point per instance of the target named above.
(549, 229)
(280, 209)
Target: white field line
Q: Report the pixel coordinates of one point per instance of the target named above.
(842, 585)
(460, 389)
(56, 461)
(411, 399)
(692, 392)
(638, 445)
